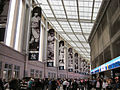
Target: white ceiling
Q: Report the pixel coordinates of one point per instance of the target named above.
(73, 20)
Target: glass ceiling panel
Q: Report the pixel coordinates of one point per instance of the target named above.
(60, 16)
(83, 49)
(55, 2)
(72, 44)
(67, 30)
(87, 36)
(57, 7)
(77, 30)
(79, 45)
(42, 1)
(65, 36)
(54, 22)
(85, 14)
(46, 8)
(48, 11)
(70, 2)
(73, 37)
(81, 38)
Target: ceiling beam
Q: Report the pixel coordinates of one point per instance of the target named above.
(77, 41)
(92, 10)
(71, 20)
(71, 33)
(77, 2)
(82, 47)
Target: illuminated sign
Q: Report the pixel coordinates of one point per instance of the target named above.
(115, 63)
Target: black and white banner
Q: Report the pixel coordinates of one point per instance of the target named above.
(4, 7)
(50, 47)
(70, 60)
(35, 34)
(61, 55)
(76, 62)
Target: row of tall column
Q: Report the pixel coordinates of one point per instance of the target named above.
(29, 32)
(58, 53)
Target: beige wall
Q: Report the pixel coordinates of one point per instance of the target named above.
(10, 56)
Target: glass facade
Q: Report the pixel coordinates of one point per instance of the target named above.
(16, 71)
(7, 73)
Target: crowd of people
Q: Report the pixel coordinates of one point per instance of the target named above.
(56, 84)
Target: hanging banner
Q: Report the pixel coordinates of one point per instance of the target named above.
(35, 34)
(4, 7)
(70, 60)
(50, 47)
(61, 55)
(76, 62)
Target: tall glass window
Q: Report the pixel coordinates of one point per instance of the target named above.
(16, 71)
(37, 74)
(7, 73)
(48, 74)
(32, 73)
(40, 75)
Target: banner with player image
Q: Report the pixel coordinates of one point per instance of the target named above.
(76, 62)
(61, 55)
(50, 47)
(4, 7)
(35, 34)
(70, 60)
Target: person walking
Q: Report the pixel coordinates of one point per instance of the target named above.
(81, 85)
(14, 84)
(98, 84)
(109, 87)
(53, 85)
(74, 85)
(89, 84)
(104, 85)
(64, 84)
(58, 84)
(1, 84)
(30, 84)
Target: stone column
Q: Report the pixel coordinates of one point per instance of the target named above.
(65, 56)
(10, 27)
(41, 45)
(73, 60)
(45, 43)
(56, 50)
(26, 35)
(79, 66)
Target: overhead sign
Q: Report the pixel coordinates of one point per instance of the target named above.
(115, 63)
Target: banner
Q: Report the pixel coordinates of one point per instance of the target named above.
(35, 34)
(76, 62)
(70, 60)
(61, 55)
(50, 47)
(4, 7)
